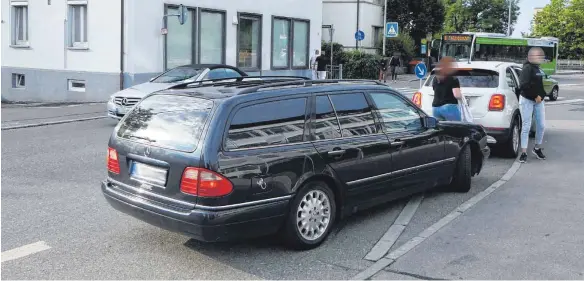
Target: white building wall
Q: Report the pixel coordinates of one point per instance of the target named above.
(343, 15)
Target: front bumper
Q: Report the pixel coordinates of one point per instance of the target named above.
(112, 111)
(204, 225)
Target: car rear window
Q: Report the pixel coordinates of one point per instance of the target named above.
(174, 122)
(473, 78)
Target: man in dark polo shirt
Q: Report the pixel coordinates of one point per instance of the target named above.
(446, 92)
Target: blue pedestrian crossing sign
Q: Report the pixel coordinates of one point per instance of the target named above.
(359, 35)
(391, 30)
(420, 70)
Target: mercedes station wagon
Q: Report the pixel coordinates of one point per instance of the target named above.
(235, 160)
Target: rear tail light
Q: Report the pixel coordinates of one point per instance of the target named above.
(113, 164)
(417, 99)
(497, 102)
(204, 183)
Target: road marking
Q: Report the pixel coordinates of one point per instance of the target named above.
(571, 85)
(24, 251)
(51, 123)
(390, 258)
(395, 230)
(564, 102)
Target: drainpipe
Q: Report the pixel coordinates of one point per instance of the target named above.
(358, 14)
(122, 22)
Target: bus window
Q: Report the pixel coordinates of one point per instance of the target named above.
(459, 51)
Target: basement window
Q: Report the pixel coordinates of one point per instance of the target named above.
(18, 80)
(76, 85)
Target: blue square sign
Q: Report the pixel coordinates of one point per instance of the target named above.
(391, 30)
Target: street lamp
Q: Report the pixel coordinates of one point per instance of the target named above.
(509, 22)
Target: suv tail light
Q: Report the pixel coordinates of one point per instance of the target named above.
(204, 183)
(113, 164)
(497, 102)
(417, 99)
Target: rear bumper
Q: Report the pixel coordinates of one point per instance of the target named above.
(500, 135)
(202, 225)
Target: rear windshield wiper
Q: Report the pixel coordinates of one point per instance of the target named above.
(141, 138)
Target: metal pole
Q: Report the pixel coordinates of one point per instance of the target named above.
(358, 12)
(509, 22)
(331, 44)
(384, 26)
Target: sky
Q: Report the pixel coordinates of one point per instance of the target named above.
(526, 8)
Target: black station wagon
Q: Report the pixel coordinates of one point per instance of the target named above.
(234, 160)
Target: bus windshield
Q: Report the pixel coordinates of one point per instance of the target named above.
(457, 46)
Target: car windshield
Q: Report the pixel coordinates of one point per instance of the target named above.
(473, 78)
(177, 74)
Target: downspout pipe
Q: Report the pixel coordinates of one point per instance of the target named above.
(122, 35)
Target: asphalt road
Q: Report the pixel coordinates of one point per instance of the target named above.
(50, 193)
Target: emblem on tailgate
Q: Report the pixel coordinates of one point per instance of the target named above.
(262, 184)
(147, 151)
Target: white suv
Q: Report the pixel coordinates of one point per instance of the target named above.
(491, 89)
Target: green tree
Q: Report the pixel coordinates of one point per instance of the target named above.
(563, 19)
(480, 15)
(417, 17)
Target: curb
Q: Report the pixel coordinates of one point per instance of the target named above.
(51, 123)
(391, 257)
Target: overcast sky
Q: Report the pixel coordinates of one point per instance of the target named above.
(526, 8)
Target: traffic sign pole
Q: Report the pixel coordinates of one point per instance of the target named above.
(384, 26)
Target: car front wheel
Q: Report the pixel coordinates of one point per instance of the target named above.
(311, 216)
(554, 94)
(461, 180)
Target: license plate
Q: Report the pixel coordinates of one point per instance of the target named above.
(122, 110)
(148, 173)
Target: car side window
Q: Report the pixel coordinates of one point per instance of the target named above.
(354, 114)
(325, 125)
(230, 73)
(265, 124)
(218, 73)
(395, 114)
(511, 79)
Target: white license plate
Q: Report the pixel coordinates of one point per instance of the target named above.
(148, 173)
(122, 110)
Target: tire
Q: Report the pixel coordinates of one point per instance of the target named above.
(554, 94)
(511, 148)
(461, 180)
(297, 236)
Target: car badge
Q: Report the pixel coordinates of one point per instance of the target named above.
(262, 184)
(124, 101)
(147, 151)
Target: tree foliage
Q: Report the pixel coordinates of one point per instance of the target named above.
(480, 15)
(403, 44)
(563, 19)
(416, 17)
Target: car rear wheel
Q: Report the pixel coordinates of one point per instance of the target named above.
(554, 94)
(511, 147)
(461, 180)
(311, 216)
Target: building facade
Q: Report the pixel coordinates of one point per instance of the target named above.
(348, 16)
(85, 50)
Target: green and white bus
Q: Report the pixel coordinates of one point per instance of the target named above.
(471, 46)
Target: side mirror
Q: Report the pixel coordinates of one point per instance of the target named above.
(430, 122)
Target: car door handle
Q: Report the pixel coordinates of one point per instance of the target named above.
(336, 152)
(397, 143)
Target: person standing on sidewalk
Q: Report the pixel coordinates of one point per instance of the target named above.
(313, 65)
(531, 102)
(393, 64)
(321, 62)
(446, 92)
(383, 64)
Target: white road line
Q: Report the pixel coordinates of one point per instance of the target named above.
(564, 102)
(390, 258)
(24, 251)
(395, 230)
(571, 85)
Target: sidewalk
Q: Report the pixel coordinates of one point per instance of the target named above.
(15, 115)
(530, 228)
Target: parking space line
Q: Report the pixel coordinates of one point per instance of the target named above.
(395, 230)
(52, 123)
(564, 102)
(24, 251)
(426, 233)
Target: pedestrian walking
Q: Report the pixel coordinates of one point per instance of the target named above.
(393, 64)
(532, 94)
(446, 92)
(313, 64)
(383, 66)
(321, 62)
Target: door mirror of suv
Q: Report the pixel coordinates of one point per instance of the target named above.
(430, 122)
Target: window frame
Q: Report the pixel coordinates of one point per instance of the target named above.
(260, 18)
(398, 96)
(83, 5)
(14, 40)
(197, 29)
(514, 80)
(192, 12)
(72, 88)
(377, 35)
(290, 47)
(16, 79)
(234, 110)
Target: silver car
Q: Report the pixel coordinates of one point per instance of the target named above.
(121, 102)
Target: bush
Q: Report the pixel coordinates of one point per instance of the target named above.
(337, 51)
(359, 65)
(403, 44)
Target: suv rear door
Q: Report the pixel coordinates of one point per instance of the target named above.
(346, 137)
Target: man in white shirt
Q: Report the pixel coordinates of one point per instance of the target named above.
(313, 64)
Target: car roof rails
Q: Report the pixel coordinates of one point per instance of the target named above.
(238, 80)
(309, 83)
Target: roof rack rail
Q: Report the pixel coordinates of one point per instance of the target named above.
(210, 82)
(308, 83)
